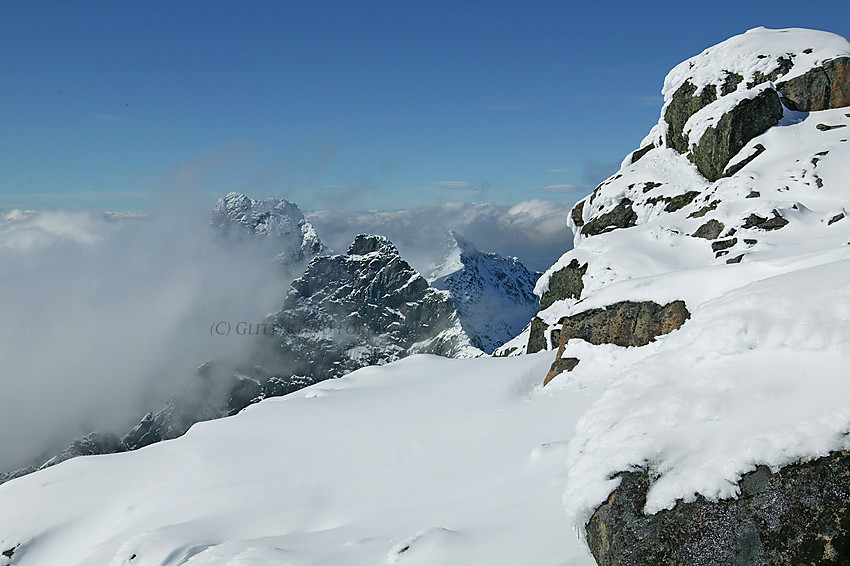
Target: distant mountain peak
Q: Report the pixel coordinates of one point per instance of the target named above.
(493, 295)
(238, 216)
(369, 243)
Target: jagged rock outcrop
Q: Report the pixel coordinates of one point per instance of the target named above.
(627, 323)
(825, 86)
(799, 515)
(364, 308)
(237, 216)
(748, 119)
(493, 295)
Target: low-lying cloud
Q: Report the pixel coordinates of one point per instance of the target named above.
(103, 318)
(534, 230)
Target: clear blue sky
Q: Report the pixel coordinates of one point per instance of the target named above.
(348, 105)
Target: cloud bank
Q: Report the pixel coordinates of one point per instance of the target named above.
(533, 230)
(103, 318)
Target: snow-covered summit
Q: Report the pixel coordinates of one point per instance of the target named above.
(493, 295)
(735, 209)
(237, 215)
(757, 54)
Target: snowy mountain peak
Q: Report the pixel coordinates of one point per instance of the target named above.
(493, 295)
(236, 216)
(364, 244)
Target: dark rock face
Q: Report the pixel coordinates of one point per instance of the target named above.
(566, 283)
(798, 516)
(720, 143)
(621, 216)
(684, 105)
(774, 223)
(344, 313)
(626, 323)
(576, 214)
(820, 88)
(537, 336)
(759, 149)
(365, 308)
(710, 230)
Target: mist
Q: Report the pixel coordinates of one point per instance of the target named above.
(535, 231)
(102, 318)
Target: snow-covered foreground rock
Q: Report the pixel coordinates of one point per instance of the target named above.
(424, 461)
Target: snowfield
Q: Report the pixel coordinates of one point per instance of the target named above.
(424, 461)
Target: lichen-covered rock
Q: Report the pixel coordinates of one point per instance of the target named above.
(627, 323)
(710, 230)
(621, 216)
(821, 88)
(797, 516)
(748, 119)
(566, 283)
(684, 104)
(537, 336)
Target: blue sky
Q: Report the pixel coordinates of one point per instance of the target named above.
(342, 105)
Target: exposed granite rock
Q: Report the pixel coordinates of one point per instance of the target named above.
(566, 283)
(626, 323)
(710, 230)
(720, 143)
(621, 216)
(723, 244)
(774, 223)
(577, 212)
(820, 88)
(683, 105)
(798, 516)
(638, 153)
(827, 127)
(537, 336)
(731, 170)
(681, 201)
(835, 218)
(559, 366)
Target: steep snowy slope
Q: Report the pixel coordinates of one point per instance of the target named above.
(718, 257)
(493, 295)
(423, 461)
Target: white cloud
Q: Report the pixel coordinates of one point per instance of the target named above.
(533, 230)
(102, 318)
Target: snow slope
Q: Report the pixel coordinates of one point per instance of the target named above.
(424, 461)
(761, 257)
